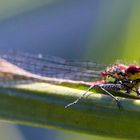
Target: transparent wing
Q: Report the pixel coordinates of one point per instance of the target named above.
(52, 66)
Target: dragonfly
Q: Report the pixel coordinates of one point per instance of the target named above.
(36, 67)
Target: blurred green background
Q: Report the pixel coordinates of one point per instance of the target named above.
(96, 30)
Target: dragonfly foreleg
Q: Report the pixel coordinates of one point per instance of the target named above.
(103, 87)
(108, 93)
(80, 97)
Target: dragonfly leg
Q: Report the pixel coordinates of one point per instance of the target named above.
(108, 93)
(80, 97)
(92, 86)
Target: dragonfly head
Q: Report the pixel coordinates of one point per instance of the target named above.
(133, 72)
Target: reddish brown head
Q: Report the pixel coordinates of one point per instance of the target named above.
(133, 72)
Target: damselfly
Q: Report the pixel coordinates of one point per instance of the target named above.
(24, 66)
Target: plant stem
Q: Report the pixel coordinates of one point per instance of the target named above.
(43, 105)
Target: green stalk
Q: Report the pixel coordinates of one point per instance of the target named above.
(43, 105)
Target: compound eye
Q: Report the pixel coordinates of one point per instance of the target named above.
(132, 69)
